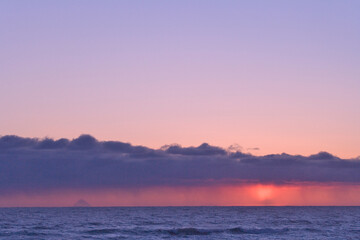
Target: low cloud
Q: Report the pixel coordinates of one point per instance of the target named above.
(202, 150)
(30, 164)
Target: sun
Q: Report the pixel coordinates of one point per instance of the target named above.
(264, 192)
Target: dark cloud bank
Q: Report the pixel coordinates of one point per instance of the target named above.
(28, 164)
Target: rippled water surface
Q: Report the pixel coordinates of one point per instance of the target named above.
(181, 223)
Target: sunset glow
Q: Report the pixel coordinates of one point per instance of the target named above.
(244, 195)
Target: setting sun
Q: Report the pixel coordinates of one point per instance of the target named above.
(263, 192)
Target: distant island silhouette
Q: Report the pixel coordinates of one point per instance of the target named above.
(81, 203)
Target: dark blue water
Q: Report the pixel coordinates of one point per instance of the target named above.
(181, 223)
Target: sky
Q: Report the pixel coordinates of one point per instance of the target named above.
(268, 77)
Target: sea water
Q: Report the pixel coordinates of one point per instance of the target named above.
(181, 223)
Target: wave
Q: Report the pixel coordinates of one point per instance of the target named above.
(42, 228)
(24, 233)
(190, 231)
(102, 231)
(237, 230)
(300, 221)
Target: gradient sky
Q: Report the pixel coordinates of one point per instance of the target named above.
(282, 76)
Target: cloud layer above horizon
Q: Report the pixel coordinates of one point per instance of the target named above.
(30, 164)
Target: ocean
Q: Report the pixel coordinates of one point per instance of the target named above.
(181, 223)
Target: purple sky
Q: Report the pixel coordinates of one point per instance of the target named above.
(281, 76)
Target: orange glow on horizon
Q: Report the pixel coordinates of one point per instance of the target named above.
(228, 195)
(263, 191)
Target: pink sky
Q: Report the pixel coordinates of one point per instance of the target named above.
(309, 194)
(281, 77)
